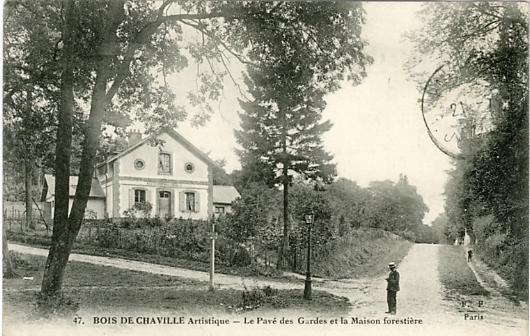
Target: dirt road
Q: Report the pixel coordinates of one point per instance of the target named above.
(421, 295)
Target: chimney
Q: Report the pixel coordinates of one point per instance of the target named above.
(134, 137)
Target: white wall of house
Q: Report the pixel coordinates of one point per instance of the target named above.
(105, 177)
(148, 178)
(177, 199)
(95, 204)
(179, 157)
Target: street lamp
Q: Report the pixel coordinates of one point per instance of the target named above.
(307, 289)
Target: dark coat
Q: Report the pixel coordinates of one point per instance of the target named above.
(393, 281)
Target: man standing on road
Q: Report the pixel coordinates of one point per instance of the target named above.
(392, 288)
(469, 255)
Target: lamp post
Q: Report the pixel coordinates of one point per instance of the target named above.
(307, 288)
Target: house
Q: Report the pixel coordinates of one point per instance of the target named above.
(223, 196)
(96, 198)
(164, 170)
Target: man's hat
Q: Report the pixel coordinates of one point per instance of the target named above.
(392, 265)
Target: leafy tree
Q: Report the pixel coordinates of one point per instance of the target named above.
(395, 207)
(278, 143)
(439, 226)
(107, 57)
(307, 199)
(29, 100)
(348, 201)
(294, 68)
(257, 207)
(486, 45)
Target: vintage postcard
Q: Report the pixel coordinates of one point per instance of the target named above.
(265, 167)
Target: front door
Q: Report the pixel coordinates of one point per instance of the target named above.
(164, 203)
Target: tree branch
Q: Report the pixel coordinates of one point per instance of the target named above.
(218, 40)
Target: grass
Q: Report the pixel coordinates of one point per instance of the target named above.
(455, 274)
(104, 290)
(39, 241)
(362, 253)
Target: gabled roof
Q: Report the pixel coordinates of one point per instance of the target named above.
(96, 191)
(224, 194)
(171, 132)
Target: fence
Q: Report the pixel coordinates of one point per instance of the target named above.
(179, 238)
(15, 221)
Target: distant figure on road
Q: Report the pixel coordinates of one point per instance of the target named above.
(392, 288)
(469, 255)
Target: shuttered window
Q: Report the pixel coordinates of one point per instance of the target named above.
(189, 201)
(138, 196)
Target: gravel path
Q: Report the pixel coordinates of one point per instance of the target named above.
(421, 295)
(221, 280)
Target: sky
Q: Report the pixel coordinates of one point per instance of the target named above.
(378, 130)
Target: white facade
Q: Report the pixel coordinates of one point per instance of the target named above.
(170, 174)
(163, 170)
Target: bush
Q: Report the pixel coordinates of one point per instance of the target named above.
(139, 210)
(51, 306)
(241, 258)
(20, 262)
(109, 237)
(259, 296)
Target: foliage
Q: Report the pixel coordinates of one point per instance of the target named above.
(487, 43)
(306, 200)
(176, 237)
(139, 210)
(90, 214)
(395, 207)
(259, 296)
(257, 207)
(114, 56)
(280, 126)
(348, 202)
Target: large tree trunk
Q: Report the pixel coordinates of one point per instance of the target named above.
(64, 237)
(52, 280)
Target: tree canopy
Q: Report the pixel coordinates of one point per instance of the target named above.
(106, 62)
(484, 45)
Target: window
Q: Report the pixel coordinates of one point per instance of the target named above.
(189, 167)
(164, 163)
(139, 164)
(190, 201)
(219, 210)
(139, 196)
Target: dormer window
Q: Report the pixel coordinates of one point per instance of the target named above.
(164, 163)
